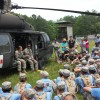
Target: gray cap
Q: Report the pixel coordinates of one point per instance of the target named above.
(66, 66)
(6, 85)
(97, 81)
(66, 72)
(76, 63)
(87, 55)
(44, 73)
(39, 83)
(61, 71)
(84, 62)
(85, 69)
(22, 75)
(91, 61)
(64, 94)
(92, 67)
(29, 93)
(61, 85)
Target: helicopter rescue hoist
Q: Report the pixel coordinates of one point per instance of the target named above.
(15, 31)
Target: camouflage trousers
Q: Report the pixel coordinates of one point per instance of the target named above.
(33, 62)
(21, 63)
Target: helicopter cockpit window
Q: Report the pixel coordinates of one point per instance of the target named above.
(4, 43)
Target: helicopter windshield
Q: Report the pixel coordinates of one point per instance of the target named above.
(4, 44)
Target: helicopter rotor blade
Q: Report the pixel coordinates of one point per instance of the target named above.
(62, 10)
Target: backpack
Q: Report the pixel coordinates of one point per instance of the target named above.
(20, 87)
(40, 97)
(71, 86)
(87, 81)
(6, 97)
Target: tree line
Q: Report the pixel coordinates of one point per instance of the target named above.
(82, 24)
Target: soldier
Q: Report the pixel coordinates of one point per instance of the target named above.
(56, 46)
(84, 79)
(22, 85)
(40, 94)
(6, 95)
(29, 57)
(70, 84)
(20, 59)
(47, 82)
(60, 78)
(68, 96)
(29, 94)
(95, 90)
(60, 90)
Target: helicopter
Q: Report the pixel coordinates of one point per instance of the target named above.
(14, 31)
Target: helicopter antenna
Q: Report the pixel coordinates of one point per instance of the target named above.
(62, 10)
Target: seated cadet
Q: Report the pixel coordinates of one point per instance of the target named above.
(47, 82)
(6, 95)
(29, 57)
(95, 91)
(84, 79)
(72, 75)
(60, 77)
(19, 57)
(40, 94)
(22, 85)
(60, 89)
(29, 94)
(68, 96)
(70, 85)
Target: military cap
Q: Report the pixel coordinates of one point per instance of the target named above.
(72, 53)
(45, 73)
(87, 55)
(85, 69)
(64, 39)
(84, 62)
(91, 61)
(96, 57)
(6, 85)
(29, 93)
(80, 65)
(61, 85)
(66, 72)
(82, 59)
(97, 81)
(92, 67)
(39, 83)
(61, 71)
(66, 66)
(64, 94)
(76, 62)
(22, 75)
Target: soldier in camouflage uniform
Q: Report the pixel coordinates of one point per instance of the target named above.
(19, 57)
(29, 57)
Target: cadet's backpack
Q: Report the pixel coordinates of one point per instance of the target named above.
(40, 97)
(6, 97)
(71, 86)
(20, 87)
(87, 81)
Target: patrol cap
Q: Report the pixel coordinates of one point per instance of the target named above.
(91, 61)
(66, 66)
(22, 75)
(6, 85)
(85, 69)
(97, 81)
(29, 93)
(40, 83)
(61, 85)
(66, 72)
(61, 71)
(45, 73)
(64, 94)
(76, 63)
(96, 57)
(64, 39)
(84, 62)
(82, 59)
(92, 67)
(87, 55)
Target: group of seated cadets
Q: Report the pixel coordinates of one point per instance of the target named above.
(23, 56)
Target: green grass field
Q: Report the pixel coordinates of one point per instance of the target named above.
(52, 67)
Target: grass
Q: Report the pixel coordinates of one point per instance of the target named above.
(52, 67)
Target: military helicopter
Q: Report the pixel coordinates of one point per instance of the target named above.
(14, 31)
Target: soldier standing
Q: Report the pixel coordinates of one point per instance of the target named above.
(6, 95)
(20, 59)
(29, 57)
